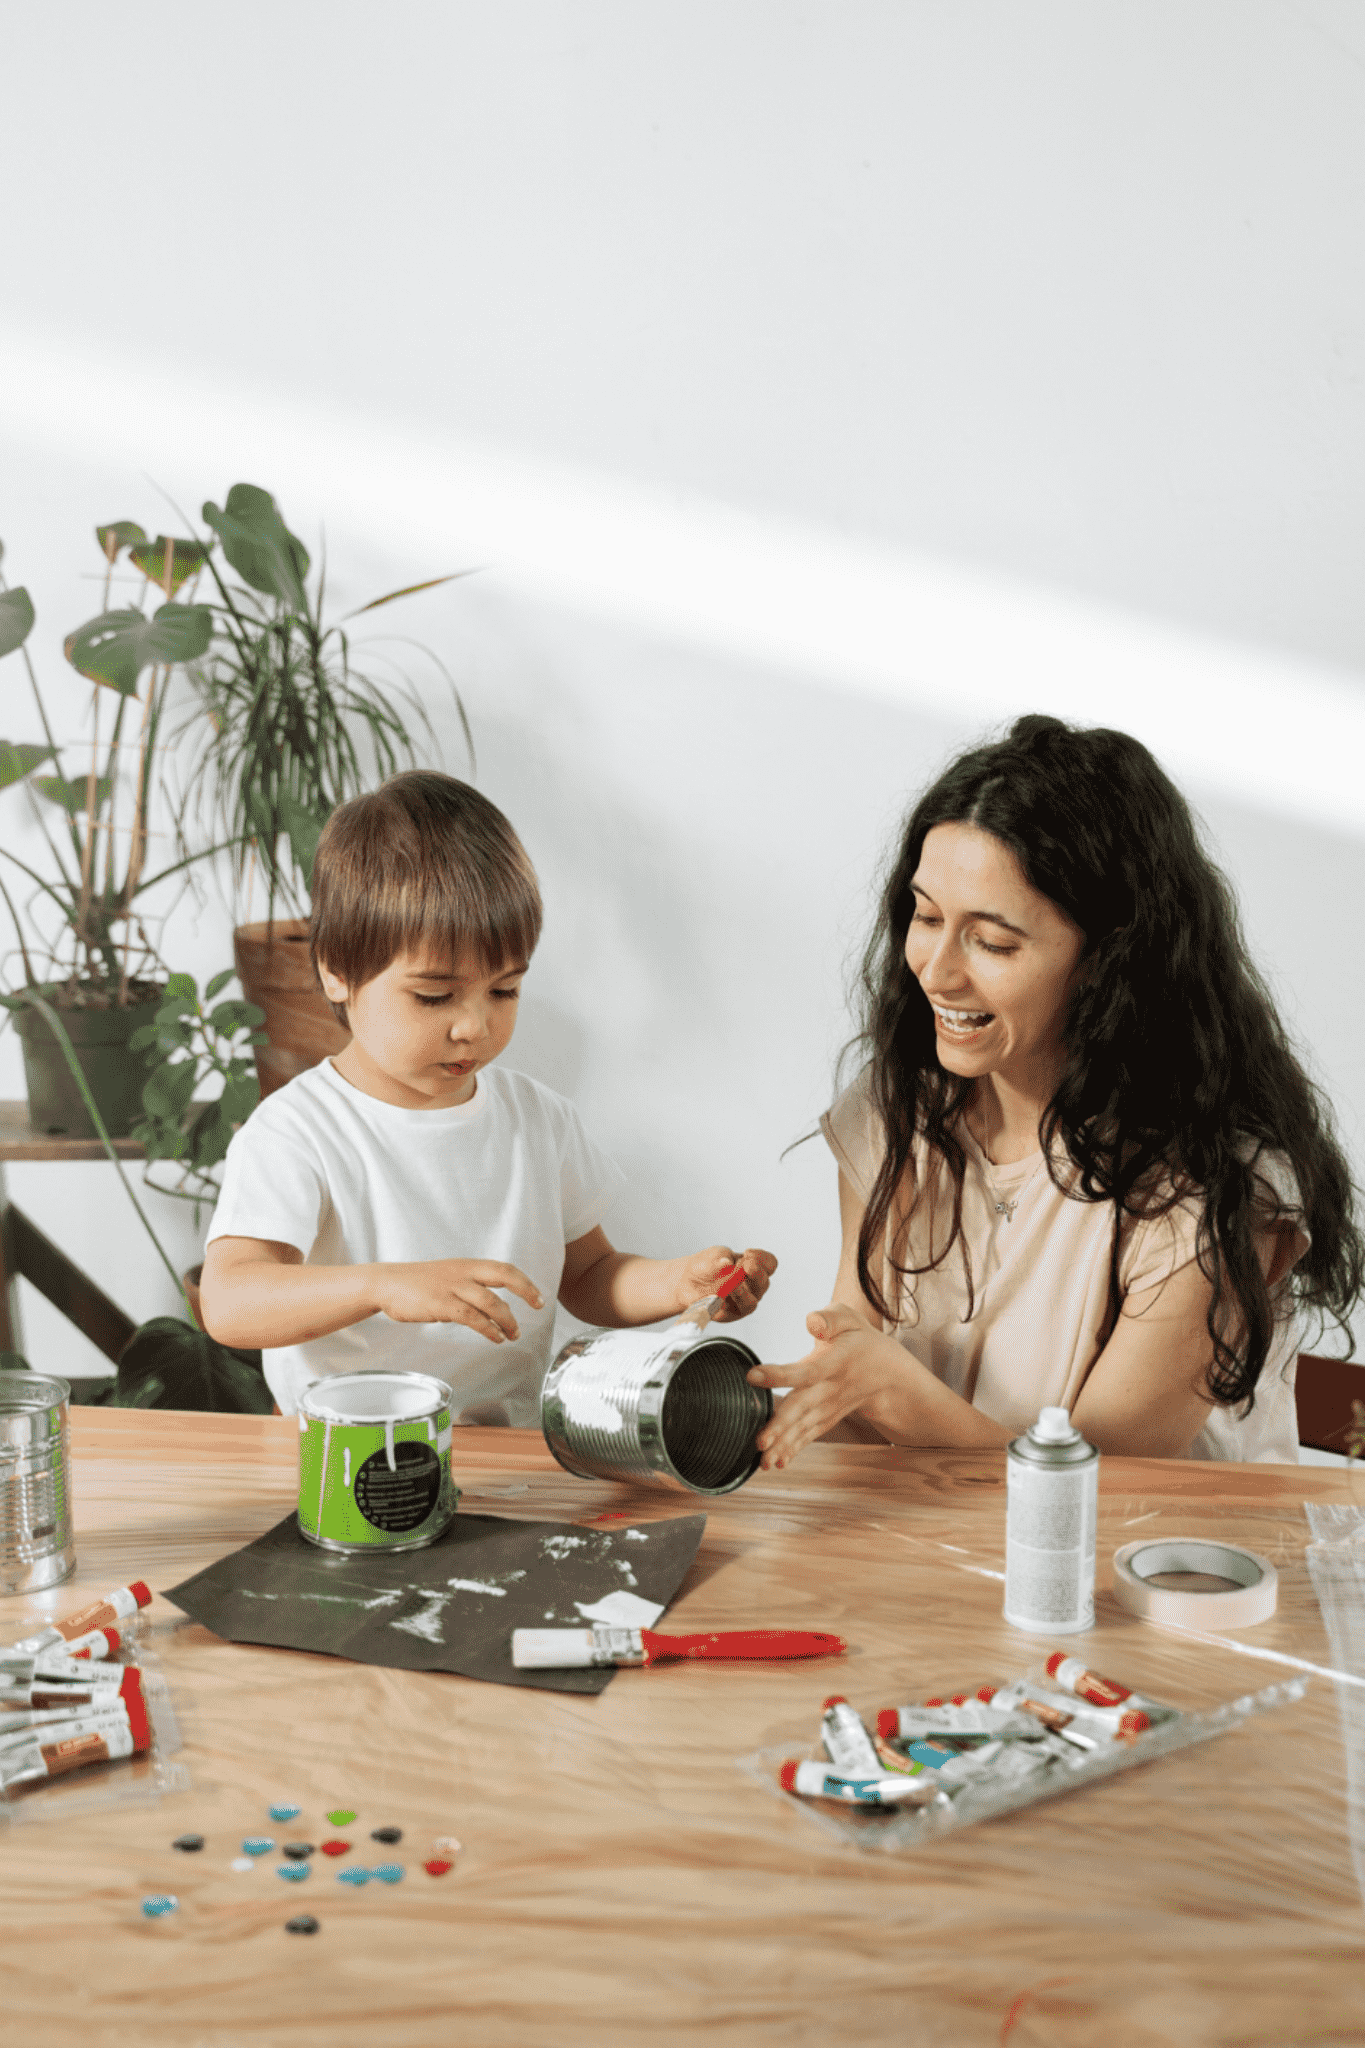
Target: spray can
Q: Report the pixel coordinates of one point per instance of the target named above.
(1052, 1490)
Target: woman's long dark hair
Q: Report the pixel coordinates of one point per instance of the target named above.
(1175, 1055)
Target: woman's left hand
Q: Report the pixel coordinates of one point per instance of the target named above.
(850, 1366)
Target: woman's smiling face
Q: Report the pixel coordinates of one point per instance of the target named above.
(996, 958)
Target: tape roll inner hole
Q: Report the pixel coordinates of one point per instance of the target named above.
(1190, 1567)
(711, 1416)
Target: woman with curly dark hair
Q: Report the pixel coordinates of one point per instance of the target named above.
(1081, 1165)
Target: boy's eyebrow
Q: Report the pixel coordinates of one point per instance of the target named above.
(436, 974)
(986, 916)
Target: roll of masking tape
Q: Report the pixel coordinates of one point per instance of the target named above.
(1250, 1598)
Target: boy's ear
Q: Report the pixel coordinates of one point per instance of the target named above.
(333, 987)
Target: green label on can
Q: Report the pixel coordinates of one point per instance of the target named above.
(382, 1485)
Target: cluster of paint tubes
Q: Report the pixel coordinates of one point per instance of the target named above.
(995, 1738)
(65, 1699)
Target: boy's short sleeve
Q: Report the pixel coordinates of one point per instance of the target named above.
(853, 1133)
(273, 1187)
(589, 1180)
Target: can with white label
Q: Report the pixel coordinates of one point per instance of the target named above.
(1052, 1493)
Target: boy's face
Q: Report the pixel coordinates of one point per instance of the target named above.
(422, 1029)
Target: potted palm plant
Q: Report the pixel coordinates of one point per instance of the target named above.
(81, 940)
(286, 726)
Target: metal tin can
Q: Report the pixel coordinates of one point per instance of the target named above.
(1052, 1492)
(672, 1405)
(36, 1547)
(374, 1461)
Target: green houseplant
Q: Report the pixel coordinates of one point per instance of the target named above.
(81, 939)
(286, 726)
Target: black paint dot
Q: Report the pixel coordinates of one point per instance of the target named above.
(302, 1923)
(386, 1834)
(298, 1852)
(188, 1843)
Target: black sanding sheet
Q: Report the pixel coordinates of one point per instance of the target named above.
(451, 1607)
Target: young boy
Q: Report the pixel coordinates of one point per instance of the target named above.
(374, 1210)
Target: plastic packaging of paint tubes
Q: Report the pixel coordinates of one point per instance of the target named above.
(78, 1736)
(945, 1764)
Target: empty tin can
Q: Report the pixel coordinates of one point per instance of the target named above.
(374, 1461)
(672, 1405)
(36, 1547)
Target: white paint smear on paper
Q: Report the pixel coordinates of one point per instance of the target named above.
(620, 1610)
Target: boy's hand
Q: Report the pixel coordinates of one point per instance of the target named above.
(456, 1291)
(702, 1273)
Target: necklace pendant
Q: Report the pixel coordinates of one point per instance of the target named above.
(1007, 1209)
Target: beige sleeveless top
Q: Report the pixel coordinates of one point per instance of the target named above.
(1040, 1271)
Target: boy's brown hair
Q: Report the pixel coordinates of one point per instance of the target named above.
(422, 863)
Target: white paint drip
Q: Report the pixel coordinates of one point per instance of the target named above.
(477, 1586)
(626, 1572)
(619, 1610)
(346, 1467)
(427, 1624)
(390, 1459)
(559, 1547)
(635, 1535)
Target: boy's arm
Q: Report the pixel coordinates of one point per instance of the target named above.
(256, 1293)
(617, 1290)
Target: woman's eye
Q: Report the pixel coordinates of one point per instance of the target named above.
(987, 947)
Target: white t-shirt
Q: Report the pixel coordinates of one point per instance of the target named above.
(511, 1175)
(1041, 1282)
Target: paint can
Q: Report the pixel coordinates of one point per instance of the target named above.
(674, 1406)
(1052, 1494)
(36, 1545)
(374, 1461)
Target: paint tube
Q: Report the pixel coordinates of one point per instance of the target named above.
(968, 1721)
(96, 1743)
(846, 1742)
(1072, 1676)
(38, 1691)
(1088, 1727)
(123, 1704)
(815, 1781)
(95, 1645)
(79, 1628)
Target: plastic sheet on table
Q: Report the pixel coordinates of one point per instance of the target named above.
(898, 1828)
(1336, 1565)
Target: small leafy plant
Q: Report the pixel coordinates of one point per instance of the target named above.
(188, 1045)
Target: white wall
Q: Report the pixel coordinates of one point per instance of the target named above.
(815, 385)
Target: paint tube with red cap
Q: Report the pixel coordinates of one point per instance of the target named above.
(1088, 1727)
(117, 1606)
(23, 1667)
(817, 1781)
(968, 1721)
(846, 1742)
(78, 1743)
(123, 1704)
(1073, 1677)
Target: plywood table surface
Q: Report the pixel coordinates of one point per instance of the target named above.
(621, 1878)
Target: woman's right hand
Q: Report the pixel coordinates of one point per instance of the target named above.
(850, 1367)
(455, 1291)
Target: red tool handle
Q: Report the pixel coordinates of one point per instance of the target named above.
(744, 1642)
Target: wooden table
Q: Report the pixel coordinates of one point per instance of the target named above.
(621, 1879)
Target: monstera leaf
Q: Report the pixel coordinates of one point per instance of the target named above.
(121, 533)
(259, 545)
(17, 761)
(187, 559)
(16, 619)
(74, 795)
(117, 646)
(167, 1363)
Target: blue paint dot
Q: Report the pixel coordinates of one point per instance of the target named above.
(285, 1812)
(355, 1874)
(159, 1903)
(258, 1845)
(389, 1873)
(293, 1870)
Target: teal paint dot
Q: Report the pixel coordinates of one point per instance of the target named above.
(355, 1874)
(159, 1903)
(295, 1871)
(388, 1873)
(258, 1845)
(285, 1812)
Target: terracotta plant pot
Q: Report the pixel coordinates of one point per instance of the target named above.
(276, 973)
(114, 1076)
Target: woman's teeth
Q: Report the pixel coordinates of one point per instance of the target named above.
(960, 1023)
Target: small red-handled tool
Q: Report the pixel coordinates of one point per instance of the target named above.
(702, 1311)
(565, 1649)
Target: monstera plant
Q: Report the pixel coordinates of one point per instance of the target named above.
(76, 905)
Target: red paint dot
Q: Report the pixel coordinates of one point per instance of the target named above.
(437, 1867)
(335, 1848)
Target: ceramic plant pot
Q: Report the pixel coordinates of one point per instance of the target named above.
(114, 1076)
(277, 975)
